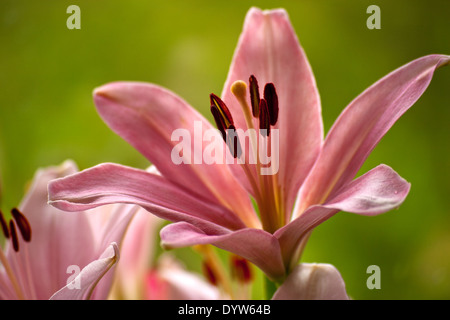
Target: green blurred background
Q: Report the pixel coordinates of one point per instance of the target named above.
(48, 72)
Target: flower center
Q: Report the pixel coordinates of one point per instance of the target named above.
(264, 112)
(10, 232)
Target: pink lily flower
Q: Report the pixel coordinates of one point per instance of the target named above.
(211, 203)
(55, 255)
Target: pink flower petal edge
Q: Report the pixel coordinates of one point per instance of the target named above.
(84, 283)
(362, 124)
(313, 281)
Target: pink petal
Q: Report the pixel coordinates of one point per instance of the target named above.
(255, 245)
(136, 255)
(82, 286)
(269, 49)
(181, 284)
(361, 126)
(379, 190)
(109, 224)
(312, 281)
(146, 116)
(111, 183)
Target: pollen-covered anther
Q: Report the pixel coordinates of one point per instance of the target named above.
(240, 269)
(13, 233)
(224, 113)
(209, 273)
(233, 142)
(22, 224)
(220, 124)
(254, 95)
(4, 225)
(264, 118)
(271, 97)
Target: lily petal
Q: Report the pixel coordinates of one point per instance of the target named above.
(268, 48)
(136, 253)
(82, 286)
(312, 281)
(111, 183)
(361, 126)
(255, 245)
(181, 284)
(146, 116)
(379, 190)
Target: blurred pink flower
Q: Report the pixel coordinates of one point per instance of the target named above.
(139, 275)
(211, 203)
(53, 254)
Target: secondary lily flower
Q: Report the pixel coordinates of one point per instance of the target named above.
(211, 203)
(57, 255)
(139, 275)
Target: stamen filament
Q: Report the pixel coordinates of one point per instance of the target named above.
(251, 178)
(269, 202)
(269, 208)
(11, 276)
(216, 267)
(31, 286)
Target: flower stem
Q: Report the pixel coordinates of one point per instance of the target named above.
(271, 287)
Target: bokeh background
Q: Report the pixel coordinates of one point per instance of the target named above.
(48, 73)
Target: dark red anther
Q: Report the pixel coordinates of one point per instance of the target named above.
(254, 95)
(233, 142)
(219, 122)
(223, 110)
(209, 273)
(240, 269)
(13, 232)
(270, 95)
(22, 224)
(4, 225)
(264, 121)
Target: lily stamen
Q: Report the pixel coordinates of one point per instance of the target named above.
(254, 95)
(265, 110)
(22, 224)
(13, 233)
(4, 225)
(271, 97)
(18, 221)
(264, 119)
